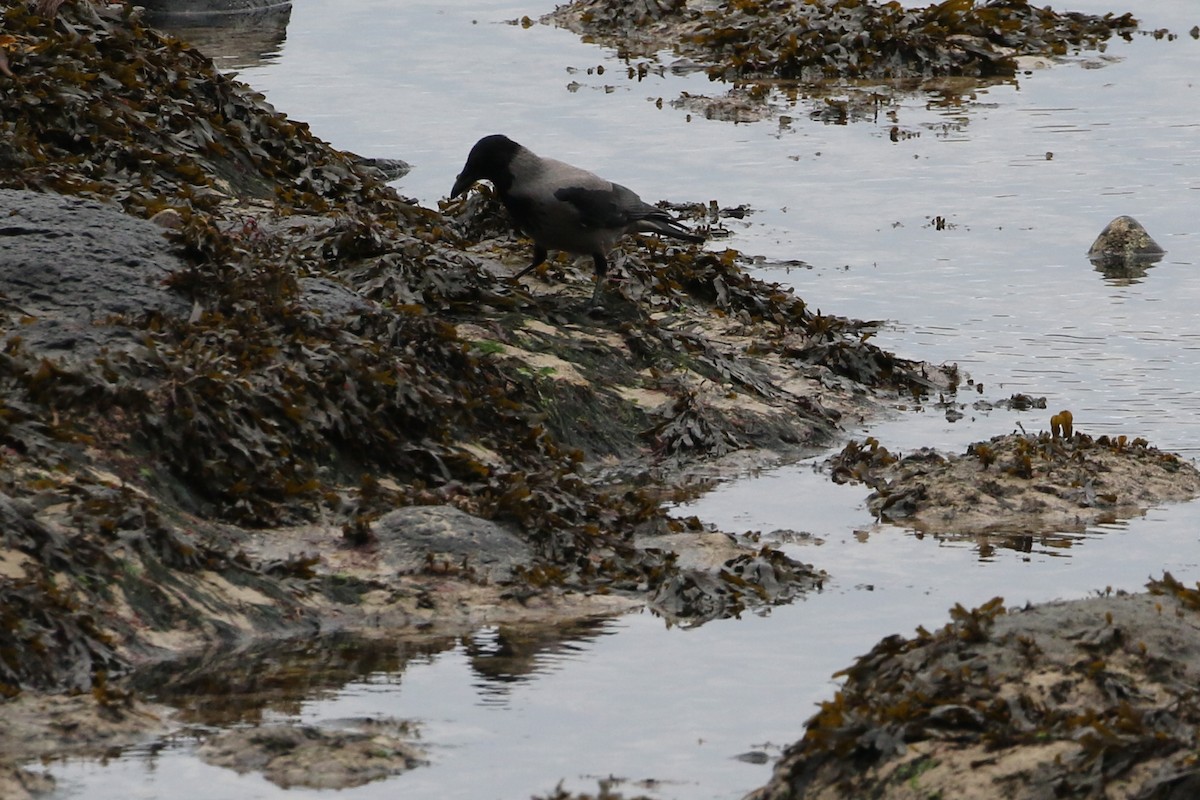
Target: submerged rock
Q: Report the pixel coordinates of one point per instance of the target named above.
(235, 34)
(188, 8)
(317, 757)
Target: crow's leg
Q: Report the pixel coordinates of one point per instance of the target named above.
(539, 256)
(601, 277)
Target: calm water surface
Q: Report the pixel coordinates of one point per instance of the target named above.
(1025, 175)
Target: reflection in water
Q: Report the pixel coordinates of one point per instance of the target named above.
(839, 104)
(235, 34)
(1125, 271)
(241, 686)
(238, 686)
(830, 101)
(990, 545)
(504, 656)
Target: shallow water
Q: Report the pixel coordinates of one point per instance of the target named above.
(1026, 175)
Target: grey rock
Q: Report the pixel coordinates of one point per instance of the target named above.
(333, 299)
(72, 269)
(388, 169)
(408, 537)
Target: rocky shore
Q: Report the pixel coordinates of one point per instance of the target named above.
(251, 393)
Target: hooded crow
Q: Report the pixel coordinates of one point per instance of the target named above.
(562, 207)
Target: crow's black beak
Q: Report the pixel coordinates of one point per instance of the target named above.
(461, 184)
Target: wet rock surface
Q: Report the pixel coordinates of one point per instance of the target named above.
(49, 726)
(1126, 237)
(1090, 698)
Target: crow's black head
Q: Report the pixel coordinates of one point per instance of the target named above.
(490, 159)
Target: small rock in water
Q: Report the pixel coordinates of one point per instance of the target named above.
(1123, 242)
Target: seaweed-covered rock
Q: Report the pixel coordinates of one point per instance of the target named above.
(1082, 699)
(843, 58)
(1018, 483)
(843, 38)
